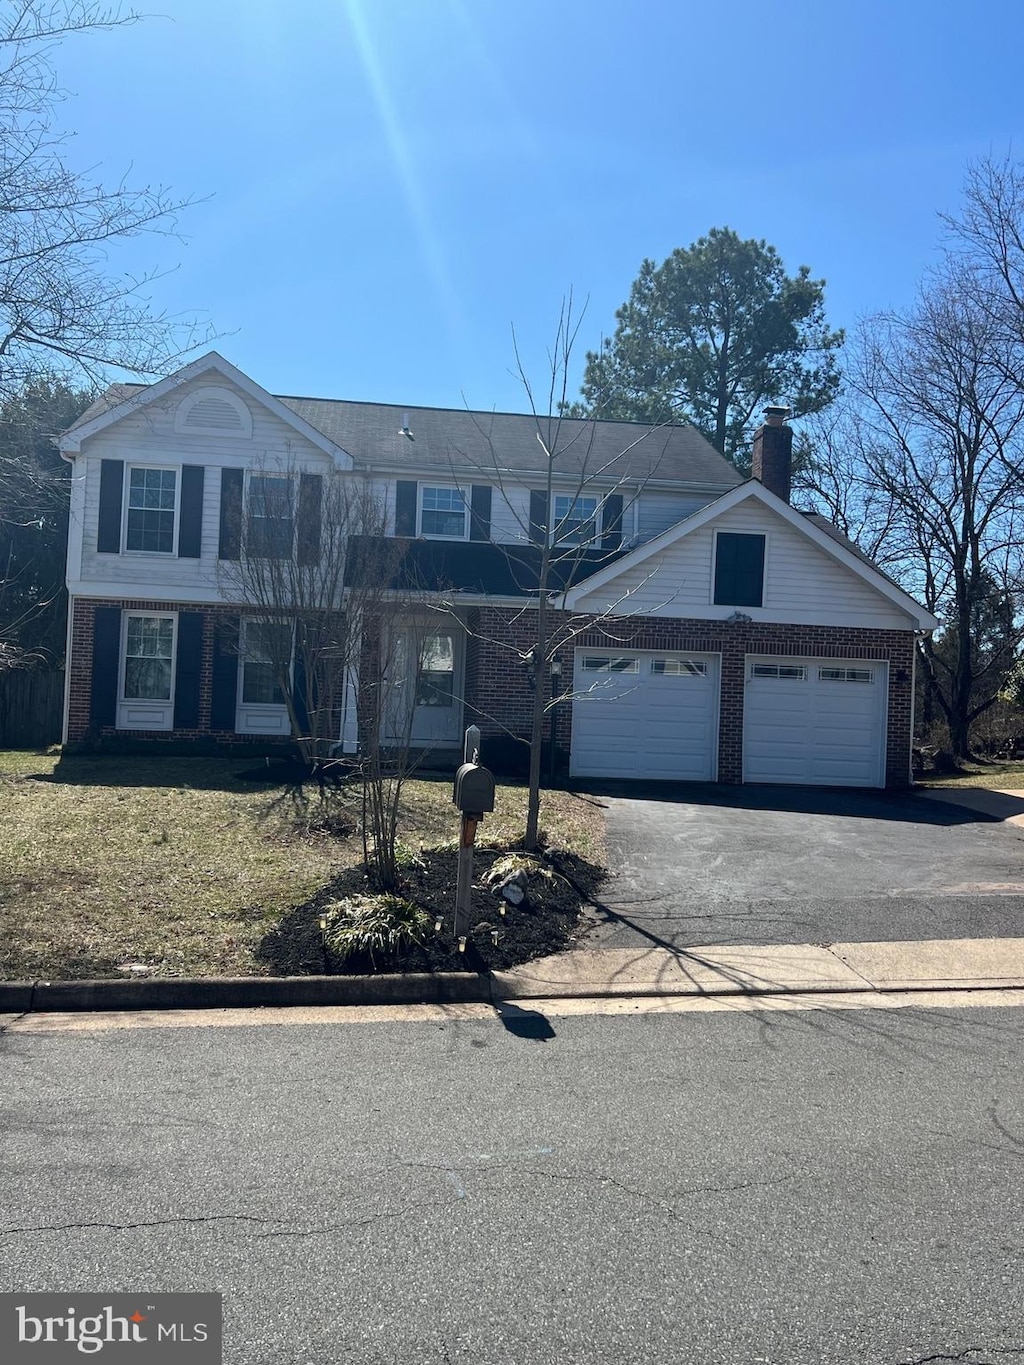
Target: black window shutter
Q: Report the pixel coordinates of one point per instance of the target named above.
(187, 669)
(611, 522)
(225, 674)
(230, 546)
(538, 517)
(311, 493)
(190, 522)
(739, 570)
(108, 532)
(480, 512)
(299, 684)
(405, 508)
(106, 664)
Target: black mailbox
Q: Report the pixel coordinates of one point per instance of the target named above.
(474, 789)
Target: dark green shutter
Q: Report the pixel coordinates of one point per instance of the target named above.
(190, 524)
(739, 570)
(310, 511)
(480, 512)
(106, 664)
(225, 673)
(187, 670)
(405, 508)
(538, 517)
(611, 522)
(230, 545)
(108, 531)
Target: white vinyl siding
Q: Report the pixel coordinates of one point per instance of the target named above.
(803, 583)
(145, 439)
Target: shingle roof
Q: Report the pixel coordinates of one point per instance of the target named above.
(454, 438)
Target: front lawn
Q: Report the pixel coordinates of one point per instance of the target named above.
(996, 774)
(111, 867)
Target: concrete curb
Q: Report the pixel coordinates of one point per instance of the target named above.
(196, 993)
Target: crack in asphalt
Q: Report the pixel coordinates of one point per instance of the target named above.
(964, 1355)
(199, 1219)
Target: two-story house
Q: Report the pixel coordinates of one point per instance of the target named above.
(718, 633)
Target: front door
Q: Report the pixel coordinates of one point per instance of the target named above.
(428, 670)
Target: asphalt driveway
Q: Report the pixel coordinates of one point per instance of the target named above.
(698, 865)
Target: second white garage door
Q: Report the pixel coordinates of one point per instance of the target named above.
(819, 722)
(641, 714)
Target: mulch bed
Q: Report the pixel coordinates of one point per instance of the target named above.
(546, 922)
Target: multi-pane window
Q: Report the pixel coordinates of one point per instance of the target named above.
(443, 513)
(679, 668)
(603, 664)
(270, 525)
(148, 657)
(266, 658)
(151, 508)
(784, 672)
(435, 679)
(854, 675)
(575, 519)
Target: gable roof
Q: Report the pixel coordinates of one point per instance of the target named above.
(121, 400)
(454, 440)
(831, 541)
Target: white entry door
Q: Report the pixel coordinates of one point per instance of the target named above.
(815, 722)
(637, 714)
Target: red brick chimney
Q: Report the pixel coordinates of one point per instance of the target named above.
(773, 452)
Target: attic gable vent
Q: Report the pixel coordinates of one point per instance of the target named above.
(213, 412)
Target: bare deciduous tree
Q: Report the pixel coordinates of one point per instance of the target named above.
(62, 306)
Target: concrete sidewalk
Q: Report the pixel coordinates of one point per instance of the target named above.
(931, 964)
(717, 970)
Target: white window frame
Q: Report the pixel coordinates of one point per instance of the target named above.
(441, 488)
(770, 672)
(737, 531)
(593, 538)
(862, 676)
(162, 708)
(673, 667)
(174, 469)
(603, 663)
(285, 475)
(260, 717)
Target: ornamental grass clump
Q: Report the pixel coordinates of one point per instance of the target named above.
(386, 925)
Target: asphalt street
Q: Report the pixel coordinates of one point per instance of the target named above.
(796, 865)
(750, 1186)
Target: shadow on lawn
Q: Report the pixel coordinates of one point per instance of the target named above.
(545, 923)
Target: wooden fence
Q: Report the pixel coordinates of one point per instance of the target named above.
(31, 708)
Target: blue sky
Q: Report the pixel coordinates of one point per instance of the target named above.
(390, 185)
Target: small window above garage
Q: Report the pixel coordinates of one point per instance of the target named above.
(739, 569)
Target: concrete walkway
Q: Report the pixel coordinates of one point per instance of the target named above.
(740, 969)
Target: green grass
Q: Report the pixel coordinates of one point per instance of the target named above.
(180, 867)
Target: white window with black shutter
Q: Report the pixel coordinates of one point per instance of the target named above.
(738, 579)
(146, 684)
(442, 511)
(149, 509)
(264, 674)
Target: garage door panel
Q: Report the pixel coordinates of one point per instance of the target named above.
(817, 729)
(647, 724)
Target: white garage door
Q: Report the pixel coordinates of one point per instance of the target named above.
(819, 722)
(640, 714)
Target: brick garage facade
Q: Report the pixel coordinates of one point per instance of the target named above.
(498, 688)
(499, 693)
